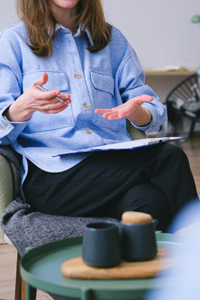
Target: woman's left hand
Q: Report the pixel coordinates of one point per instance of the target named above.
(132, 110)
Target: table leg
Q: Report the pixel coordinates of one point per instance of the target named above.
(30, 292)
(86, 294)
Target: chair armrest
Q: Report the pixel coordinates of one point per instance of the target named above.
(6, 181)
(135, 133)
(6, 190)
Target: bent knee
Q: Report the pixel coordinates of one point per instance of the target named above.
(175, 152)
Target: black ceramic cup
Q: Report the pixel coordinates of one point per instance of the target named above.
(101, 245)
(138, 241)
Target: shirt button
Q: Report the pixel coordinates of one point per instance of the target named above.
(86, 106)
(153, 125)
(2, 127)
(5, 123)
(88, 131)
(77, 75)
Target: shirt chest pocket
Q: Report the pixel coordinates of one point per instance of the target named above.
(44, 122)
(103, 97)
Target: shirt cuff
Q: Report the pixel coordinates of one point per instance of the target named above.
(10, 129)
(152, 126)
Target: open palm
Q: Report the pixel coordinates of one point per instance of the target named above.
(127, 110)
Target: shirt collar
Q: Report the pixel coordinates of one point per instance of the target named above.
(58, 26)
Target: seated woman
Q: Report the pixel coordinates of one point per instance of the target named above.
(67, 47)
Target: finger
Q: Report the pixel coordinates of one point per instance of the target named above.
(42, 80)
(46, 95)
(141, 99)
(102, 110)
(146, 98)
(65, 97)
(111, 116)
(114, 116)
(106, 115)
(55, 111)
(51, 109)
(42, 105)
(118, 114)
(109, 113)
(107, 110)
(56, 106)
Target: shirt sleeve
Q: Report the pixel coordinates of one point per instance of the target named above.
(131, 80)
(10, 90)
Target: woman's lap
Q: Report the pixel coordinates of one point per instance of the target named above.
(110, 182)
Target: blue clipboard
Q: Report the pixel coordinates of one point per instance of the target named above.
(124, 146)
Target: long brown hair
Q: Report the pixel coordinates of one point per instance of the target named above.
(41, 24)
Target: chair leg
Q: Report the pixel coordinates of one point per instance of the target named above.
(18, 280)
(20, 284)
(23, 286)
(30, 292)
(175, 125)
(192, 128)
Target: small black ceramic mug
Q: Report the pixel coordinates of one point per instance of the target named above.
(101, 245)
(138, 241)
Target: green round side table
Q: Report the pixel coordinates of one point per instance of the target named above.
(40, 268)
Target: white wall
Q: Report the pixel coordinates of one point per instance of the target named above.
(160, 30)
(8, 13)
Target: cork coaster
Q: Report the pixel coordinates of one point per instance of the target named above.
(77, 269)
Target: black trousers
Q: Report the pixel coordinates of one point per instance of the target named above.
(155, 179)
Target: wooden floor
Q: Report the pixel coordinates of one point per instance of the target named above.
(8, 253)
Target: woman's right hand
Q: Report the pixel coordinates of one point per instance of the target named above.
(33, 99)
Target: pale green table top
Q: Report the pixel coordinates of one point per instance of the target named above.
(40, 268)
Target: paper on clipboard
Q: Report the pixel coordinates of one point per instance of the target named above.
(124, 146)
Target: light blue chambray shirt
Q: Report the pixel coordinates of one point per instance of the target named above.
(103, 79)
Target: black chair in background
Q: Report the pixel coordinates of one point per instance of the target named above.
(184, 102)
